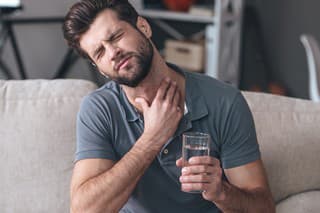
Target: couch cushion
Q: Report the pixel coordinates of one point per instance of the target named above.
(307, 202)
(37, 143)
(288, 132)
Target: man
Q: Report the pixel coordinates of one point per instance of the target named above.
(129, 131)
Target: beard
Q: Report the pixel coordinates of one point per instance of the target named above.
(140, 66)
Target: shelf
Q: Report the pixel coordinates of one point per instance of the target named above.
(220, 29)
(176, 16)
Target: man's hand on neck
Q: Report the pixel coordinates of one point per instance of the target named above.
(148, 88)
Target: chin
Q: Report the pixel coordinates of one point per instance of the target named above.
(134, 80)
(130, 82)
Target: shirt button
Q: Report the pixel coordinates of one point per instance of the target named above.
(166, 151)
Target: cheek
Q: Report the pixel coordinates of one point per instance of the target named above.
(104, 68)
(133, 43)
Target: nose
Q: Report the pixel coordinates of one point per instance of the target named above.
(112, 51)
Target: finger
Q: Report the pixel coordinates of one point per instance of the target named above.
(203, 160)
(179, 162)
(187, 187)
(171, 91)
(143, 103)
(199, 178)
(199, 169)
(162, 90)
(176, 98)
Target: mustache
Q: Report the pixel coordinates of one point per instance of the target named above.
(120, 58)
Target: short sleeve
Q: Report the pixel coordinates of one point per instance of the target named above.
(239, 140)
(93, 131)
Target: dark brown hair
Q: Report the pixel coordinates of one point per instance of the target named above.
(83, 13)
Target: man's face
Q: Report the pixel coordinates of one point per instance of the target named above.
(119, 50)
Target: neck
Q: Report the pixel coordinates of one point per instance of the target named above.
(147, 89)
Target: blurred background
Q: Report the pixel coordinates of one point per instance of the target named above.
(271, 58)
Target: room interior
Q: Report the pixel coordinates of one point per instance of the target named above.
(272, 57)
(275, 28)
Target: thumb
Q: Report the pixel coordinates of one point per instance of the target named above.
(179, 162)
(142, 102)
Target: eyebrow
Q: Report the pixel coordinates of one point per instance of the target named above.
(109, 38)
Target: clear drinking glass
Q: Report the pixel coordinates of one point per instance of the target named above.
(194, 144)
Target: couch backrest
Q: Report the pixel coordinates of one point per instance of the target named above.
(288, 132)
(37, 143)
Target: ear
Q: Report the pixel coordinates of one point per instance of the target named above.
(144, 27)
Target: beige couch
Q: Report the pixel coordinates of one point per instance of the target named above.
(37, 144)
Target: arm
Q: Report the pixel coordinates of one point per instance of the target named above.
(100, 185)
(246, 191)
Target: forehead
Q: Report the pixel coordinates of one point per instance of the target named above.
(105, 23)
(106, 17)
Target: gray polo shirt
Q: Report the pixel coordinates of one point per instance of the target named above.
(108, 126)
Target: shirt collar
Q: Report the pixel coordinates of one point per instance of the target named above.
(195, 102)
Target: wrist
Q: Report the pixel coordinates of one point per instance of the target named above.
(156, 139)
(149, 143)
(221, 197)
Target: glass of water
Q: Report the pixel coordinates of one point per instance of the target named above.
(194, 144)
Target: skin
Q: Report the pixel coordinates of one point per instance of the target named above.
(100, 185)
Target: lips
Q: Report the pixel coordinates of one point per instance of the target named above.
(122, 63)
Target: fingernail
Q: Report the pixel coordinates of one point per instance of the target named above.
(167, 79)
(184, 170)
(191, 160)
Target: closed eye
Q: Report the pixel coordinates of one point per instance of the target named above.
(115, 36)
(98, 53)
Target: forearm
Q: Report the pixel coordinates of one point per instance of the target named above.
(235, 200)
(109, 191)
